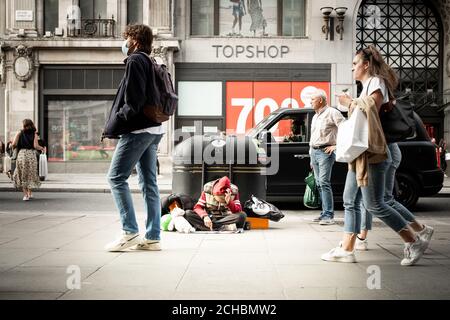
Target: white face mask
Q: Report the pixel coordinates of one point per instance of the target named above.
(125, 48)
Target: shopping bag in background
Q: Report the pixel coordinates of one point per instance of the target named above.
(43, 168)
(311, 197)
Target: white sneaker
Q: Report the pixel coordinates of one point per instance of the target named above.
(229, 227)
(125, 241)
(150, 245)
(361, 245)
(426, 233)
(26, 198)
(413, 252)
(326, 222)
(339, 255)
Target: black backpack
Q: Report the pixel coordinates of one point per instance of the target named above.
(163, 100)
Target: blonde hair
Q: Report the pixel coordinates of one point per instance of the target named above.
(378, 67)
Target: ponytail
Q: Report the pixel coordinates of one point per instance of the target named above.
(378, 67)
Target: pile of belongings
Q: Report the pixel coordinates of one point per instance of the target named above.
(173, 209)
(259, 208)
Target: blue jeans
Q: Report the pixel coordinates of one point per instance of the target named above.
(322, 164)
(396, 157)
(136, 150)
(373, 199)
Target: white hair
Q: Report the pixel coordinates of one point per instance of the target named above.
(320, 93)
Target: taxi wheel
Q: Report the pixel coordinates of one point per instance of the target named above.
(407, 190)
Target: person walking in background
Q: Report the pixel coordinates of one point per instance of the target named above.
(442, 151)
(366, 177)
(138, 144)
(322, 144)
(26, 173)
(2, 154)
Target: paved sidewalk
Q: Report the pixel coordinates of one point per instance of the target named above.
(97, 182)
(39, 253)
(92, 182)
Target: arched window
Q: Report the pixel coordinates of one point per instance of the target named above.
(408, 34)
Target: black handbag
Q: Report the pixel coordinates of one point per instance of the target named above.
(397, 119)
(398, 123)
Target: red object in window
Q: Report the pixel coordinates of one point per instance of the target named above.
(247, 102)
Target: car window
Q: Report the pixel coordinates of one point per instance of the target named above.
(290, 129)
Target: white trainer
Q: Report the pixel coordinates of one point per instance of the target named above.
(229, 227)
(426, 233)
(339, 255)
(326, 221)
(413, 251)
(150, 245)
(125, 241)
(361, 245)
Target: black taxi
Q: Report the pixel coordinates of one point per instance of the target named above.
(417, 176)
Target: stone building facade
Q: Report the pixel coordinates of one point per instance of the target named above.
(232, 63)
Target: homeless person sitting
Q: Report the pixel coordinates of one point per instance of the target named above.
(218, 208)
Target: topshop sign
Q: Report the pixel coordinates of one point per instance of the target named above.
(250, 51)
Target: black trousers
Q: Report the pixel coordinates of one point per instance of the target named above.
(218, 222)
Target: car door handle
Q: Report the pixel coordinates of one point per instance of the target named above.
(301, 156)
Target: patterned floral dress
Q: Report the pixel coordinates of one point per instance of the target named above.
(26, 173)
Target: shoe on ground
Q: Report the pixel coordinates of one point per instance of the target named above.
(413, 252)
(125, 241)
(326, 221)
(229, 227)
(339, 255)
(361, 245)
(26, 198)
(317, 219)
(149, 245)
(426, 233)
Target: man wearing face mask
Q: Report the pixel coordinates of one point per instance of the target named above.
(138, 143)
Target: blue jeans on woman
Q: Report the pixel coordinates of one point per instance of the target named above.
(322, 164)
(396, 156)
(136, 150)
(373, 198)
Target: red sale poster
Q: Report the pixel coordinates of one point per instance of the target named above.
(247, 103)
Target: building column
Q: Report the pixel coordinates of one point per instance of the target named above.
(21, 14)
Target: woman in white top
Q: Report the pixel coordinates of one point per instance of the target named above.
(378, 81)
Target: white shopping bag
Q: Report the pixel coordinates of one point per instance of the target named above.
(353, 137)
(43, 170)
(6, 163)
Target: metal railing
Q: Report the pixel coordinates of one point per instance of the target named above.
(438, 101)
(91, 28)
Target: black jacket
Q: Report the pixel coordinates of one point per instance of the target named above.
(126, 112)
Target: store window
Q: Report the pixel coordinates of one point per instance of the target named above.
(75, 128)
(200, 98)
(248, 18)
(93, 9)
(202, 17)
(51, 18)
(294, 18)
(134, 11)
